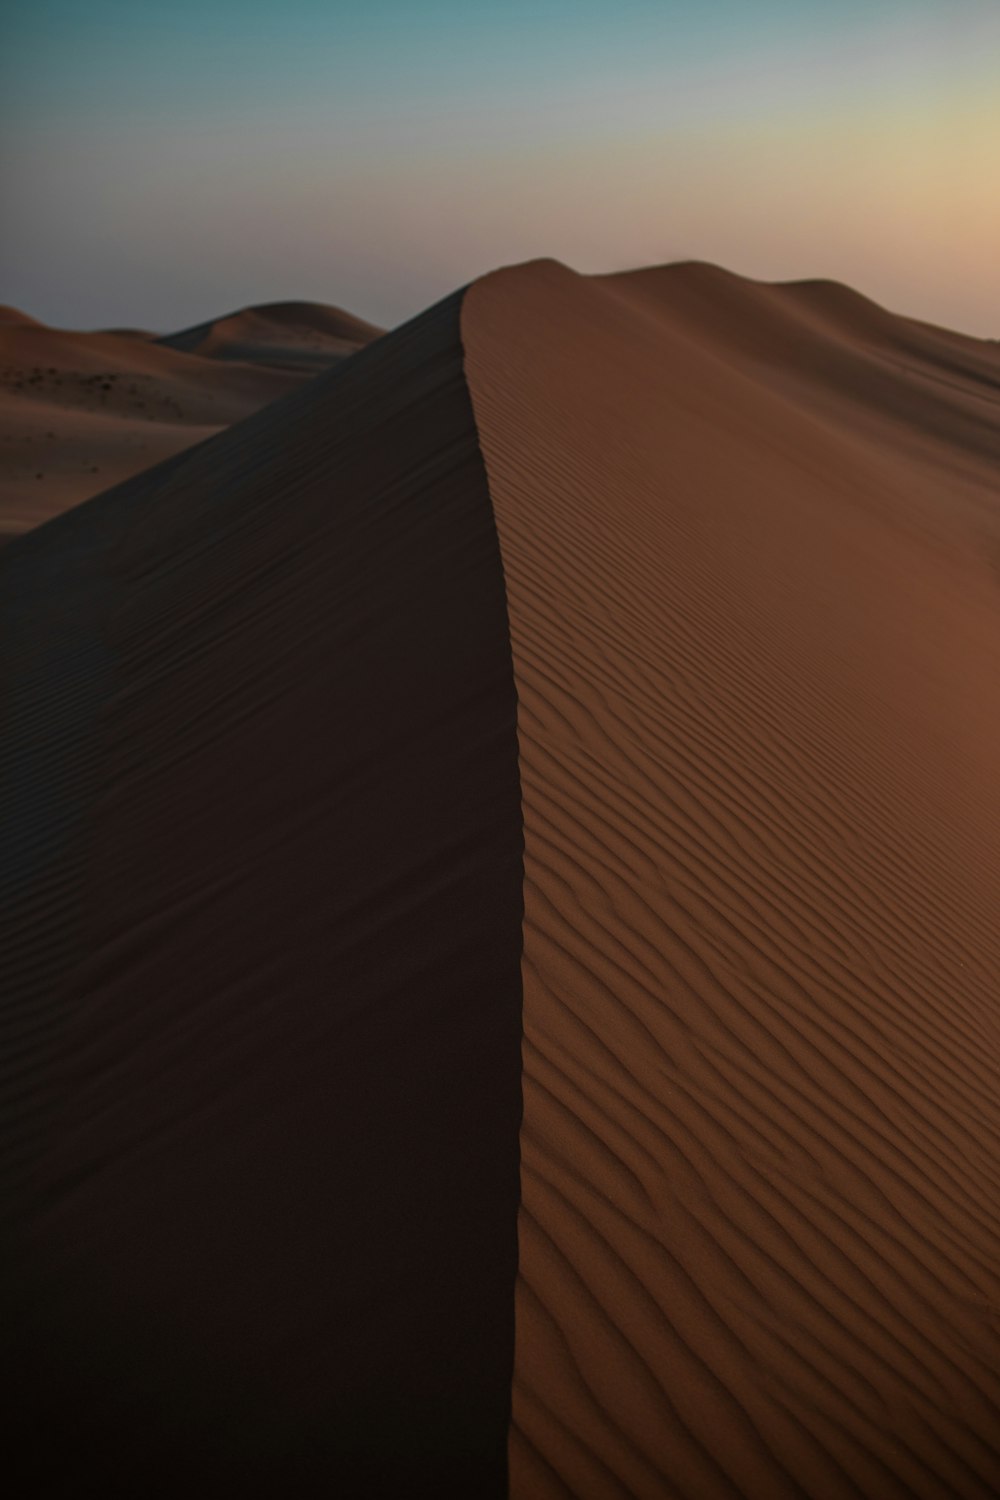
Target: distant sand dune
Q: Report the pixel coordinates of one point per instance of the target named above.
(286, 335)
(750, 539)
(82, 411)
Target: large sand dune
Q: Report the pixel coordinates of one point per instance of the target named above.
(750, 538)
(692, 584)
(82, 411)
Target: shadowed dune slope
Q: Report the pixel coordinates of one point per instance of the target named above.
(751, 540)
(262, 974)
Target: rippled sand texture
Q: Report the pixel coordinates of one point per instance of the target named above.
(751, 540)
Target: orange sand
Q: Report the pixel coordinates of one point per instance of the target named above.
(751, 537)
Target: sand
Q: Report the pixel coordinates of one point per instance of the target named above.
(588, 689)
(750, 539)
(262, 989)
(80, 412)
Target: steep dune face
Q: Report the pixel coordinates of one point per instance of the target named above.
(82, 411)
(262, 988)
(753, 599)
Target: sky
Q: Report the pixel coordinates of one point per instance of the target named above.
(163, 163)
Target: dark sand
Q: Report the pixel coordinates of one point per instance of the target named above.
(262, 990)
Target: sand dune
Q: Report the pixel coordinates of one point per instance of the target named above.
(304, 336)
(750, 538)
(82, 411)
(726, 557)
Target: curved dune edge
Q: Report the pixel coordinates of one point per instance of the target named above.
(261, 1015)
(750, 537)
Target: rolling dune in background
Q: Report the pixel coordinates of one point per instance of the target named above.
(302, 336)
(750, 537)
(587, 690)
(82, 411)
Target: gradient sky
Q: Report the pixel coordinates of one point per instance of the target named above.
(161, 162)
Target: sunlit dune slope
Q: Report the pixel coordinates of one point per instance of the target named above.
(750, 538)
(261, 1018)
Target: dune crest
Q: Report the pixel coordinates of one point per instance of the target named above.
(750, 539)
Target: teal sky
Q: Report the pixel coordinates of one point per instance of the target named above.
(161, 163)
